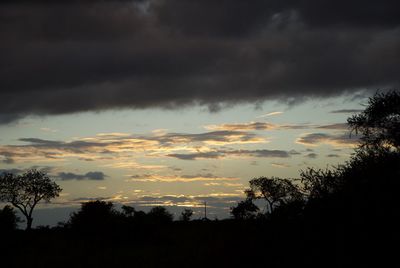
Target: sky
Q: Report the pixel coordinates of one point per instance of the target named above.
(180, 102)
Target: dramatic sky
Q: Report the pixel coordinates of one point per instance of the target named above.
(177, 102)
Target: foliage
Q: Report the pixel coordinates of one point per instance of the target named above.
(8, 219)
(379, 123)
(318, 183)
(160, 215)
(364, 189)
(275, 191)
(94, 215)
(27, 190)
(186, 214)
(245, 210)
(128, 211)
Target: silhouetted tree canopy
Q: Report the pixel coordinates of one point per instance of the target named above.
(275, 191)
(245, 210)
(27, 190)
(128, 211)
(160, 215)
(364, 189)
(8, 219)
(95, 215)
(379, 123)
(186, 215)
(318, 183)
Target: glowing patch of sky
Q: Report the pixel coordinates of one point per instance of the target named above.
(118, 187)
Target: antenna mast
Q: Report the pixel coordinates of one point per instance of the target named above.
(205, 210)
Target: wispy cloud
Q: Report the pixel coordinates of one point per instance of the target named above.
(270, 114)
(270, 126)
(260, 153)
(347, 111)
(280, 165)
(339, 140)
(179, 178)
(242, 126)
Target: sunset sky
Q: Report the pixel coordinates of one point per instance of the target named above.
(177, 102)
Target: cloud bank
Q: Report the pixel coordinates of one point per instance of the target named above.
(60, 57)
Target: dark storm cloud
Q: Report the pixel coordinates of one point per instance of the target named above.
(62, 57)
(93, 175)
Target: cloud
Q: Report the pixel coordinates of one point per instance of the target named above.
(242, 126)
(92, 175)
(158, 53)
(270, 114)
(270, 126)
(346, 111)
(311, 155)
(222, 137)
(180, 178)
(343, 126)
(261, 153)
(280, 165)
(332, 155)
(121, 146)
(17, 171)
(194, 156)
(343, 140)
(215, 200)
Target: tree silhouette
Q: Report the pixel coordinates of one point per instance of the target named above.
(379, 123)
(8, 219)
(27, 190)
(186, 214)
(361, 194)
(95, 215)
(160, 215)
(275, 191)
(128, 211)
(318, 183)
(245, 210)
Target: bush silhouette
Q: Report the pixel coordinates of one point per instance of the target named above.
(245, 210)
(8, 219)
(186, 215)
(159, 215)
(95, 215)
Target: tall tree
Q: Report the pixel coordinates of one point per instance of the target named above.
(379, 123)
(25, 191)
(275, 191)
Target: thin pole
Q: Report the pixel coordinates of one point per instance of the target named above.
(205, 210)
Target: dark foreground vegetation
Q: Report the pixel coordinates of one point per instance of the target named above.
(346, 216)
